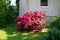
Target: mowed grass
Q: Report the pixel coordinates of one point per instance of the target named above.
(11, 33)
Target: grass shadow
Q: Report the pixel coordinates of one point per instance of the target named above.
(27, 36)
(11, 33)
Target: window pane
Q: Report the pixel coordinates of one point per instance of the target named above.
(44, 2)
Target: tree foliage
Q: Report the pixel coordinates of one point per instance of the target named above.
(7, 12)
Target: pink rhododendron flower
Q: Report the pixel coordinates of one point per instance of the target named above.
(19, 18)
(29, 14)
(18, 24)
(35, 21)
(26, 19)
(43, 13)
(35, 27)
(39, 28)
(30, 24)
(37, 13)
(41, 18)
(20, 29)
(31, 20)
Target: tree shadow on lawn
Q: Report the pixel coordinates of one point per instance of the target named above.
(27, 36)
(13, 34)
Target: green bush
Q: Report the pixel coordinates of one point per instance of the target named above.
(11, 14)
(55, 22)
(2, 13)
(2, 20)
(53, 34)
(7, 12)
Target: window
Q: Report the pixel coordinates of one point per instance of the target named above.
(44, 2)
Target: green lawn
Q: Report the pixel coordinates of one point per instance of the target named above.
(11, 33)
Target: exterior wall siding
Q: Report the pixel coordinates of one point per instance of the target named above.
(53, 8)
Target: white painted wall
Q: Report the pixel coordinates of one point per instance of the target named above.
(24, 6)
(53, 8)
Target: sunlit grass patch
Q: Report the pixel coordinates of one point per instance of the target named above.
(11, 33)
(3, 35)
(45, 30)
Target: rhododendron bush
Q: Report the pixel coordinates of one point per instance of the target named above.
(31, 21)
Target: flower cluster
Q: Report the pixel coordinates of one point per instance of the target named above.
(31, 21)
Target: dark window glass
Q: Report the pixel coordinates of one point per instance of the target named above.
(44, 2)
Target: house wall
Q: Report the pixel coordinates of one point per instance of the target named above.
(24, 6)
(53, 8)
